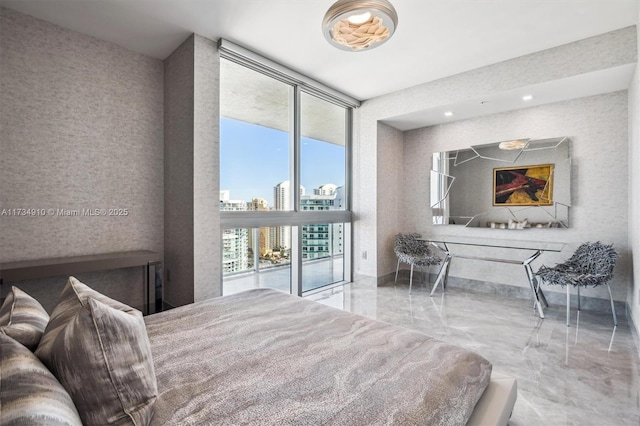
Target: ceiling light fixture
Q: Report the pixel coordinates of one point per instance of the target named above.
(448, 114)
(357, 25)
(513, 145)
(527, 97)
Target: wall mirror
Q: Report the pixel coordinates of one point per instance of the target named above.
(517, 184)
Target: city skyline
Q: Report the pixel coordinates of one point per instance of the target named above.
(254, 159)
(273, 244)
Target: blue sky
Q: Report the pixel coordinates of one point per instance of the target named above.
(254, 159)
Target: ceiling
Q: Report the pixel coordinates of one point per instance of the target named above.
(434, 39)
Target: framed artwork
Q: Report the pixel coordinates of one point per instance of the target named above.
(523, 185)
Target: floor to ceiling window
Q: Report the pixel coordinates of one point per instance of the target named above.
(284, 177)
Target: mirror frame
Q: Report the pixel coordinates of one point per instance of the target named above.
(525, 157)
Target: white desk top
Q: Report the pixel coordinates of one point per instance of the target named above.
(497, 243)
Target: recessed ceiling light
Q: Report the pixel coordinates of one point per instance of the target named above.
(448, 114)
(527, 97)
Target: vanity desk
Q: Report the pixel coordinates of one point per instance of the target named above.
(510, 185)
(530, 250)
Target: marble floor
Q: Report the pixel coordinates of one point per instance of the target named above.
(586, 374)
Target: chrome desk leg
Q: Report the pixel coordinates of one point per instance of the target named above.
(411, 279)
(532, 281)
(543, 299)
(397, 269)
(446, 275)
(568, 306)
(613, 308)
(541, 296)
(442, 275)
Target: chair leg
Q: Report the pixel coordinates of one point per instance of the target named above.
(411, 279)
(568, 305)
(613, 308)
(397, 269)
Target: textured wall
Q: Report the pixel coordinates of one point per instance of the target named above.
(206, 171)
(593, 54)
(364, 203)
(391, 190)
(178, 174)
(192, 233)
(82, 128)
(633, 298)
(597, 127)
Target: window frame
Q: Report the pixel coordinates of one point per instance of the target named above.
(296, 217)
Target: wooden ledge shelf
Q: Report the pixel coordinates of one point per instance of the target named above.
(43, 268)
(65, 266)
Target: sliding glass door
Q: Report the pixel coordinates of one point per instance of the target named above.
(284, 182)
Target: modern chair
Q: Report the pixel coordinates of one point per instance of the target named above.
(413, 251)
(591, 265)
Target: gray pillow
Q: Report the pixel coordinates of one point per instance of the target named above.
(71, 300)
(29, 393)
(23, 318)
(103, 358)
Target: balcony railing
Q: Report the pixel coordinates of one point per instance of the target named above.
(316, 273)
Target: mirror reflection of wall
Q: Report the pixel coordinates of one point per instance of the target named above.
(463, 187)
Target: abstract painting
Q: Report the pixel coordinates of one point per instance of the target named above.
(523, 185)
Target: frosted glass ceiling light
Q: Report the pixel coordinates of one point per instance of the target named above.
(356, 25)
(513, 145)
(359, 19)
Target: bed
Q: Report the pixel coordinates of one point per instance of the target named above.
(263, 357)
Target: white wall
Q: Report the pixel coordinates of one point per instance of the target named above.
(589, 55)
(597, 127)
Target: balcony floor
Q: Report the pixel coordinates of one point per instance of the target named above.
(315, 273)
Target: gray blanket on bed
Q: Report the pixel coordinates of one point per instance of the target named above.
(263, 357)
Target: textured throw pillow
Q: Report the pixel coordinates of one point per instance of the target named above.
(23, 318)
(29, 393)
(103, 358)
(72, 299)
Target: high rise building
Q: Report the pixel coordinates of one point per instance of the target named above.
(265, 242)
(258, 204)
(282, 195)
(322, 240)
(326, 189)
(282, 202)
(235, 242)
(266, 235)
